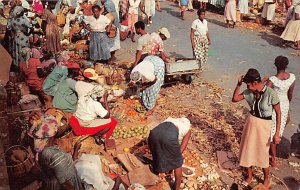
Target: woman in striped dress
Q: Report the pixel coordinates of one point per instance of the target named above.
(52, 30)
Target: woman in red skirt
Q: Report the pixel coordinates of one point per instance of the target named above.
(91, 117)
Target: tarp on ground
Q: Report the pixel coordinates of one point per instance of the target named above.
(5, 62)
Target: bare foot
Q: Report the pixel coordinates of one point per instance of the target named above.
(267, 183)
(273, 162)
(149, 112)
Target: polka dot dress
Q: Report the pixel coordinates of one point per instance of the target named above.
(281, 87)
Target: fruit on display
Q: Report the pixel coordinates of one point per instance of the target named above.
(132, 132)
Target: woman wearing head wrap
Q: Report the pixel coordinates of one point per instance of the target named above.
(21, 28)
(167, 142)
(255, 142)
(283, 83)
(91, 118)
(149, 75)
(65, 97)
(29, 68)
(57, 169)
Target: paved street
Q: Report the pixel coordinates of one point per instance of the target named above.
(233, 51)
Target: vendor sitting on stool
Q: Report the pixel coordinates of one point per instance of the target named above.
(167, 141)
(91, 118)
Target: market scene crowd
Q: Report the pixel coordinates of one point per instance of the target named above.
(86, 116)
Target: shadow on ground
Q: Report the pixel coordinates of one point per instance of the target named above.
(272, 39)
(173, 13)
(217, 22)
(292, 183)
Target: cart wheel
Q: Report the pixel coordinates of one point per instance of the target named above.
(187, 79)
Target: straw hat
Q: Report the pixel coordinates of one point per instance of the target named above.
(165, 32)
(90, 74)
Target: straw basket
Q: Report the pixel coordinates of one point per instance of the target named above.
(19, 170)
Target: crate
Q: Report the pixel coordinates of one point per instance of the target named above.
(182, 66)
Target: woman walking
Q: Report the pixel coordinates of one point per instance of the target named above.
(283, 83)
(243, 7)
(149, 10)
(52, 30)
(133, 17)
(230, 12)
(255, 141)
(183, 4)
(98, 24)
(200, 37)
(292, 30)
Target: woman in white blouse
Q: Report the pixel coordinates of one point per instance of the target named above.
(200, 37)
(167, 142)
(100, 45)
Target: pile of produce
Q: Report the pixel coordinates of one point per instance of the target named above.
(132, 132)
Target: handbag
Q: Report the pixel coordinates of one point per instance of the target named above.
(61, 18)
(113, 31)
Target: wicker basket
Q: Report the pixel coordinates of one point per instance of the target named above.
(19, 170)
(61, 19)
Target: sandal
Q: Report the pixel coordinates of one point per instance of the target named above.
(98, 141)
(246, 185)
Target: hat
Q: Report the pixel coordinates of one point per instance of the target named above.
(73, 65)
(251, 76)
(165, 32)
(90, 74)
(36, 53)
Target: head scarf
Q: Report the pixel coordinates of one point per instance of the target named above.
(95, 93)
(17, 11)
(26, 52)
(38, 6)
(63, 58)
(135, 76)
(42, 130)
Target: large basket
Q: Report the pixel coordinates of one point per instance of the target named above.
(19, 170)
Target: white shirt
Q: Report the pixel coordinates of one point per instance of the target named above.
(200, 27)
(146, 69)
(134, 6)
(97, 25)
(183, 125)
(82, 88)
(89, 109)
(143, 42)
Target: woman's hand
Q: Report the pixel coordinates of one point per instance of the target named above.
(105, 95)
(240, 80)
(276, 138)
(209, 42)
(35, 117)
(193, 45)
